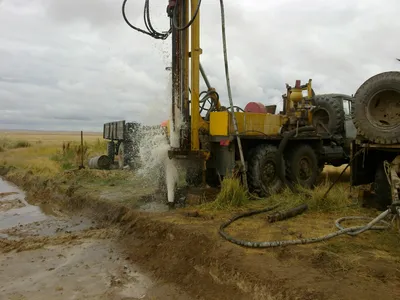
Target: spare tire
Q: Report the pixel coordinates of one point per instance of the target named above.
(329, 111)
(376, 108)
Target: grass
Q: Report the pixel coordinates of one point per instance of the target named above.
(56, 157)
(233, 197)
(7, 143)
(48, 153)
(339, 254)
(232, 194)
(338, 199)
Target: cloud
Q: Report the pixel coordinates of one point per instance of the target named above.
(70, 64)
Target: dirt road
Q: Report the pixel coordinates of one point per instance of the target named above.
(47, 254)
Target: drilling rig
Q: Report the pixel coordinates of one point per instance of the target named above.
(267, 148)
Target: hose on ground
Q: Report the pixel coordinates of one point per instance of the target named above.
(283, 215)
(269, 244)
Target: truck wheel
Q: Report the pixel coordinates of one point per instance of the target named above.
(302, 165)
(111, 150)
(329, 111)
(125, 154)
(375, 108)
(263, 177)
(381, 188)
(121, 156)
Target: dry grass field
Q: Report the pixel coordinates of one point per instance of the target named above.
(43, 152)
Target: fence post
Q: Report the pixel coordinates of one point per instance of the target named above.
(81, 166)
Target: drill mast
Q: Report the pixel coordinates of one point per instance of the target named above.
(185, 16)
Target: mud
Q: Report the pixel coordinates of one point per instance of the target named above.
(92, 269)
(185, 251)
(46, 253)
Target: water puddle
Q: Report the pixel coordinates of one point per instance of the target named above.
(21, 216)
(15, 210)
(154, 207)
(6, 236)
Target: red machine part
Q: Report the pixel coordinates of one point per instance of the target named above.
(170, 7)
(255, 107)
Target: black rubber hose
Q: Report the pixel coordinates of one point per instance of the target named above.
(190, 22)
(350, 231)
(156, 35)
(283, 215)
(243, 215)
(147, 22)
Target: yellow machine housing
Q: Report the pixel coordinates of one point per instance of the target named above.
(297, 108)
(248, 123)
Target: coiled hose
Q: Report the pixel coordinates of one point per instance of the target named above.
(269, 244)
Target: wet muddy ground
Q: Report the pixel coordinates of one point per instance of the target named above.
(47, 254)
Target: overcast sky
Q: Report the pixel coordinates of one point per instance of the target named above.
(75, 64)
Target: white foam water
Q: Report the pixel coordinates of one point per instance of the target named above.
(154, 163)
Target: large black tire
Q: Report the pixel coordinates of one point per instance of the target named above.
(302, 166)
(376, 108)
(262, 175)
(330, 112)
(125, 154)
(111, 150)
(121, 155)
(381, 188)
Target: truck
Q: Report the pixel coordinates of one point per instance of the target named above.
(375, 149)
(121, 136)
(267, 149)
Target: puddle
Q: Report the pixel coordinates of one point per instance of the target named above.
(154, 207)
(21, 216)
(93, 269)
(15, 210)
(10, 192)
(5, 236)
(156, 203)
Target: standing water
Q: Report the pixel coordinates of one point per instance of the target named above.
(14, 210)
